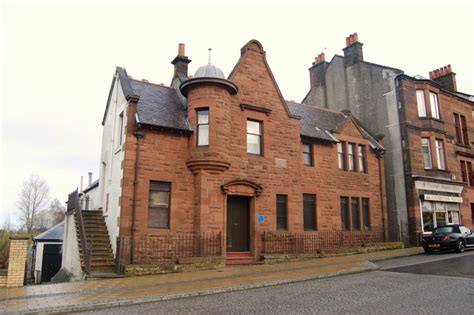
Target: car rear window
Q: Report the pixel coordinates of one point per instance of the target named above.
(443, 230)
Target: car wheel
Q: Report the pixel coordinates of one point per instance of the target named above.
(428, 251)
(460, 246)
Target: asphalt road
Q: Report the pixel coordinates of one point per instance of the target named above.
(435, 284)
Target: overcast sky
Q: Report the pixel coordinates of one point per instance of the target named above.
(58, 59)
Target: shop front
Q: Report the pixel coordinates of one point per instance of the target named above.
(439, 204)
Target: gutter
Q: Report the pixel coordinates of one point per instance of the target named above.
(138, 134)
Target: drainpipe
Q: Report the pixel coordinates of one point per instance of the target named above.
(379, 158)
(138, 134)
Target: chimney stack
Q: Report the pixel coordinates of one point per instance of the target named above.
(82, 182)
(181, 62)
(317, 72)
(90, 178)
(445, 77)
(353, 51)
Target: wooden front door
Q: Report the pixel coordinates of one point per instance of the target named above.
(238, 224)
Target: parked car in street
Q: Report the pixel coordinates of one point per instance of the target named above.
(450, 237)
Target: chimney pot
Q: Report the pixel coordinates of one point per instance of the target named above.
(181, 49)
(90, 178)
(356, 37)
(445, 77)
(347, 41)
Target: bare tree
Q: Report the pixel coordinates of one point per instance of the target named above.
(50, 216)
(58, 210)
(33, 197)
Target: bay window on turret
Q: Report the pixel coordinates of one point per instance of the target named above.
(202, 127)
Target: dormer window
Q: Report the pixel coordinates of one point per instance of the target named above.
(202, 127)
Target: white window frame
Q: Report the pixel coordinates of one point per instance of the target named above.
(420, 101)
(341, 156)
(440, 154)
(351, 157)
(434, 105)
(202, 139)
(427, 144)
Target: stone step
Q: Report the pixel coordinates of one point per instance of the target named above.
(240, 258)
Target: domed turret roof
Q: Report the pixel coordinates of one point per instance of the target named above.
(209, 70)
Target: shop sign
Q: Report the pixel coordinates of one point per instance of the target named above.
(443, 198)
(422, 185)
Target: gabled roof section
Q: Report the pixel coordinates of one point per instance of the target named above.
(256, 46)
(320, 124)
(121, 75)
(56, 234)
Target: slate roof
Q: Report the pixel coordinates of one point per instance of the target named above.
(91, 186)
(160, 106)
(56, 233)
(320, 123)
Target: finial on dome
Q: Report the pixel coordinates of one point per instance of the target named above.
(210, 50)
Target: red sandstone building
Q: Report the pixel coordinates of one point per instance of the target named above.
(428, 136)
(230, 156)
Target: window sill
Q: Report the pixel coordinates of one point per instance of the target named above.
(463, 145)
(432, 118)
(437, 169)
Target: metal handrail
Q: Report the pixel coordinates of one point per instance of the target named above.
(86, 249)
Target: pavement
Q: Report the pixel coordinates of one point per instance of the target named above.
(90, 295)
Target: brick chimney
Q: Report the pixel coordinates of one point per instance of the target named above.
(353, 51)
(317, 72)
(446, 77)
(181, 62)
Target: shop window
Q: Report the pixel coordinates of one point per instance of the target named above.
(282, 212)
(309, 212)
(453, 213)
(437, 214)
(159, 204)
(420, 101)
